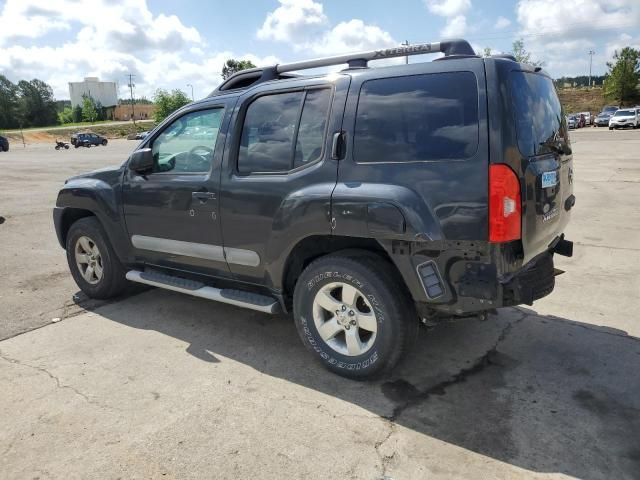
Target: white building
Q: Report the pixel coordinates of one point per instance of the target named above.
(104, 92)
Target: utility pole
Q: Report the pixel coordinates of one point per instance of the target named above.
(591, 54)
(189, 85)
(406, 58)
(133, 111)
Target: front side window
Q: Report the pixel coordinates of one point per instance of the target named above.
(187, 145)
(417, 118)
(283, 131)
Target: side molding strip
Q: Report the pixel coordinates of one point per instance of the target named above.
(237, 256)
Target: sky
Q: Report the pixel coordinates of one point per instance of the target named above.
(172, 44)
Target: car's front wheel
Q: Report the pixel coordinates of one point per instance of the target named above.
(353, 315)
(92, 261)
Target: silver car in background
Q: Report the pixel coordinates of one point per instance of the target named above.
(624, 118)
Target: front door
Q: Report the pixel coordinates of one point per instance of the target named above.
(172, 213)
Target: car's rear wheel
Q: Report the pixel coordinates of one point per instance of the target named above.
(92, 261)
(104, 142)
(352, 314)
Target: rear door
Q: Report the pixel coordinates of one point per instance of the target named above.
(543, 159)
(278, 174)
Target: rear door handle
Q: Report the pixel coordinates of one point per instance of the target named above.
(337, 145)
(203, 197)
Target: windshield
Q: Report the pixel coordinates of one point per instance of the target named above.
(538, 113)
(621, 113)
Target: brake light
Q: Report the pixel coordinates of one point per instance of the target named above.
(505, 208)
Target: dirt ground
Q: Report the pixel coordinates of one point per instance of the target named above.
(160, 385)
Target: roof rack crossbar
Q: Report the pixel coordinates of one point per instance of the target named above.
(354, 60)
(449, 47)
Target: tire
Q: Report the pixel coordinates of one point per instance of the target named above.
(610, 128)
(378, 302)
(83, 236)
(57, 147)
(66, 147)
(104, 142)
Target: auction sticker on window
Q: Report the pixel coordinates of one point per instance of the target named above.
(549, 179)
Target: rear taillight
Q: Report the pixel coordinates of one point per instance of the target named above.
(505, 209)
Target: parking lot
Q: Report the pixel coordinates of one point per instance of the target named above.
(159, 385)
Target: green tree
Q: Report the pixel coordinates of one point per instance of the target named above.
(168, 102)
(621, 82)
(89, 110)
(76, 114)
(66, 115)
(37, 105)
(232, 66)
(9, 104)
(521, 54)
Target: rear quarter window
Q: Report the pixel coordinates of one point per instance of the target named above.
(417, 118)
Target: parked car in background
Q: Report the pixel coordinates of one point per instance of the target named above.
(602, 119)
(87, 139)
(572, 121)
(141, 135)
(625, 118)
(4, 144)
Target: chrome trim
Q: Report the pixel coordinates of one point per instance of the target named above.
(177, 247)
(236, 256)
(239, 256)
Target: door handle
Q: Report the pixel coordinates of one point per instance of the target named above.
(203, 197)
(336, 145)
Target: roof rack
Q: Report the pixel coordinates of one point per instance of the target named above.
(245, 78)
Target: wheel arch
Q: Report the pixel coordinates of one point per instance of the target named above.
(313, 247)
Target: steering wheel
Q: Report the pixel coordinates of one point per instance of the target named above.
(200, 161)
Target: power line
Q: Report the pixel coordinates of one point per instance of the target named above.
(133, 111)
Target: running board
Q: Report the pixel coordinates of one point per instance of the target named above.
(239, 298)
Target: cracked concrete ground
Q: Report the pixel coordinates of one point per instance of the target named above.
(159, 385)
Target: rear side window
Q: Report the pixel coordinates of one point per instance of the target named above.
(283, 131)
(417, 118)
(538, 113)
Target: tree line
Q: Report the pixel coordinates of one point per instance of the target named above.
(26, 104)
(32, 104)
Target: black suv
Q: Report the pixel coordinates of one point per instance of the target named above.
(361, 201)
(88, 139)
(4, 144)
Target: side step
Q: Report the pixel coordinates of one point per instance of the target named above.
(240, 298)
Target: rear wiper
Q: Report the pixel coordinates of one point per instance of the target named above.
(558, 146)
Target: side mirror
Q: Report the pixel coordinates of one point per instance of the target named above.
(141, 160)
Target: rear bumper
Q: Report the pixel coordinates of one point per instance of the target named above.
(472, 285)
(535, 281)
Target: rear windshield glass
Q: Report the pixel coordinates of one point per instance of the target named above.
(621, 113)
(537, 110)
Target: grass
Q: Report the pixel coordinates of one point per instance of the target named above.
(75, 125)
